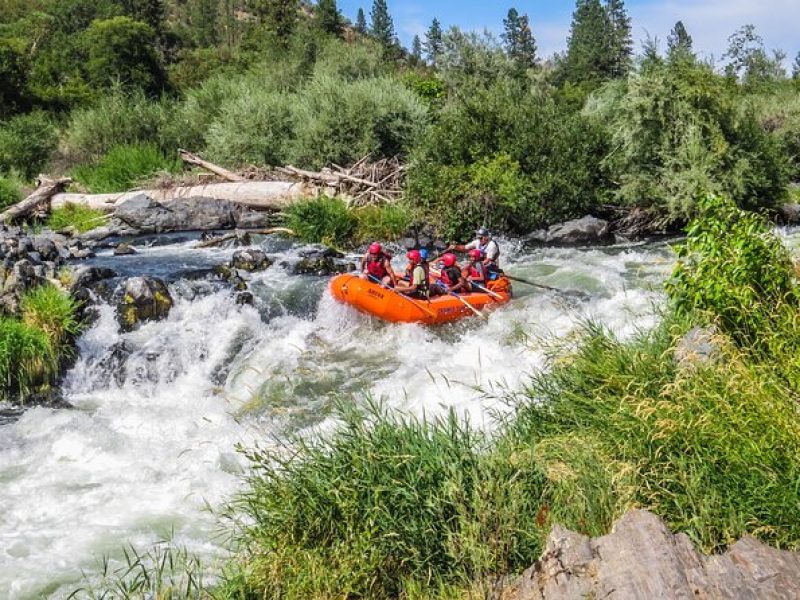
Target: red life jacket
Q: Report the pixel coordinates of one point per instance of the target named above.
(376, 268)
(476, 271)
(450, 275)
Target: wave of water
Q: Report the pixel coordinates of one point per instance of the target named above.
(150, 443)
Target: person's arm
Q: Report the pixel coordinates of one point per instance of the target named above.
(387, 264)
(464, 247)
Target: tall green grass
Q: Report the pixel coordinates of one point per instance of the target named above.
(76, 216)
(124, 167)
(386, 505)
(10, 191)
(52, 311)
(27, 358)
(32, 349)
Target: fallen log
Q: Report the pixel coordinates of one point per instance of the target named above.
(259, 195)
(44, 191)
(193, 159)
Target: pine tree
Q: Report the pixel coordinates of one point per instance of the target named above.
(434, 44)
(796, 68)
(621, 41)
(328, 18)
(519, 42)
(416, 49)
(679, 42)
(204, 17)
(361, 22)
(280, 16)
(382, 26)
(589, 56)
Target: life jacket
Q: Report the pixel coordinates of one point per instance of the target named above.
(423, 289)
(477, 271)
(376, 268)
(450, 275)
(484, 247)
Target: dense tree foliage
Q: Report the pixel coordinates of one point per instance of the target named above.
(492, 132)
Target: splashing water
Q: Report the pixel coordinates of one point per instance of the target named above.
(149, 445)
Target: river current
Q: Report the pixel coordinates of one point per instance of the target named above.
(148, 451)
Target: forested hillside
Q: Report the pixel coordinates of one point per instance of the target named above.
(107, 90)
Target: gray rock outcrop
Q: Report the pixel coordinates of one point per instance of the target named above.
(142, 214)
(640, 558)
(579, 232)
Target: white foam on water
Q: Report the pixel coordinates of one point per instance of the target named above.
(140, 457)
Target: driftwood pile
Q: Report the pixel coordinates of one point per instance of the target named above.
(365, 183)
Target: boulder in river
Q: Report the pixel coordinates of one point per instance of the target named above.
(640, 558)
(143, 299)
(579, 232)
(321, 261)
(124, 249)
(250, 260)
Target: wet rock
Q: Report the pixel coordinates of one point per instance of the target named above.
(232, 276)
(790, 213)
(124, 250)
(322, 266)
(640, 558)
(143, 299)
(579, 232)
(245, 298)
(699, 346)
(86, 277)
(250, 260)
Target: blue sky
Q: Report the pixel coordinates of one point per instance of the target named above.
(710, 22)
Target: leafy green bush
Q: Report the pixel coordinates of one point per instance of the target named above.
(50, 310)
(27, 358)
(383, 222)
(125, 166)
(10, 192)
(326, 220)
(339, 121)
(117, 118)
(26, 143)
(265, 115)
(735, 270)
(77, 216)
(678, 133)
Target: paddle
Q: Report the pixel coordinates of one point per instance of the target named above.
(547, 287)
(419, 306)
(487, 290)
(464, 302)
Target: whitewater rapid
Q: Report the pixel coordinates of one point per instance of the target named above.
(148, 452)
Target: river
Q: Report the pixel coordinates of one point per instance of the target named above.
(148, 451)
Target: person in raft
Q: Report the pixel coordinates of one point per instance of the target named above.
(451, 279)
(484, 243)
(377, 266)
(475, 271)
(417, 286)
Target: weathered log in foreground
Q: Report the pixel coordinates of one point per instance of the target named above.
(44, 191)
(259, 195)
(640, 558)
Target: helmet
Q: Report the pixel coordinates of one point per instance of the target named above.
(483, 232)
(375, 248)
(449, 259)
(423, 252)
(476, 253)
(414, 256)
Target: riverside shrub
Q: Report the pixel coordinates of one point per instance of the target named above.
(26, 143)
(734, 269)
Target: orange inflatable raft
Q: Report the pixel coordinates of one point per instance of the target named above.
(394, 307)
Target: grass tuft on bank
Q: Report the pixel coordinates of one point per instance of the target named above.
(33, 348)
(76, 216)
